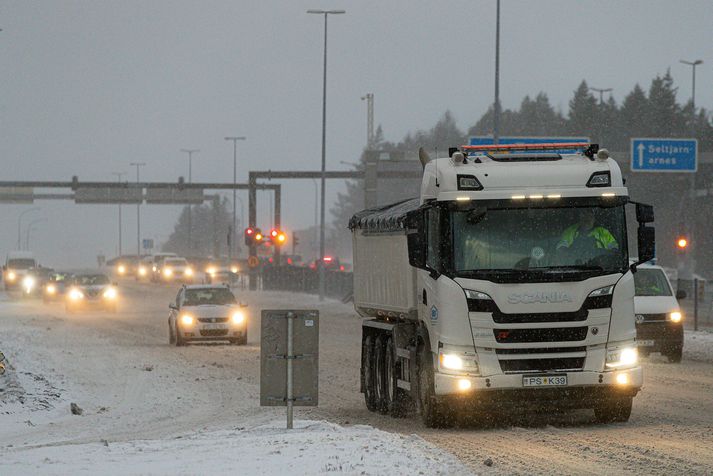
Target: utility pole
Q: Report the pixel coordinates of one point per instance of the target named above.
(138, 210)
(496, 106)
(234, 231)
(190, 153)
(692, 192)
(322, 276)
(118, 179)
(19, 225)
(369, 97)
(601, 93)
(30, 227)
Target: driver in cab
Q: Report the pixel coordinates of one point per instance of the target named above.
(585, 238)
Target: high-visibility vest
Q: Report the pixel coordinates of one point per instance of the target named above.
(602, 238)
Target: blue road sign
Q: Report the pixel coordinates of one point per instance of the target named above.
(148, 243)
(664, 155)
(488, 140)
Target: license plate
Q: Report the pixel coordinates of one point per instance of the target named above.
(645, 343)
(214, 326)
(544, 380)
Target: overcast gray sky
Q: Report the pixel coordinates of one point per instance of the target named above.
(89, 86)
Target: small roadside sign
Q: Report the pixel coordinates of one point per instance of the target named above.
(147, 243)
(664, 155)
(253, 261)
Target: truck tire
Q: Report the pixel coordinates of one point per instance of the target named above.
(397, 397)
(675, 354)
(614, 410)
(433, 411)
(380, 375)
(367, 366)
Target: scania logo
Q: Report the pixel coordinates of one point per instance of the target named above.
(541, 297)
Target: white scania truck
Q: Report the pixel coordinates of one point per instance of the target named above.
(506, 284)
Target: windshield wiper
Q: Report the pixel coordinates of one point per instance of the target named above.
(574, 267)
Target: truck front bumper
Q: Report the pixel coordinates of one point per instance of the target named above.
(580, 389)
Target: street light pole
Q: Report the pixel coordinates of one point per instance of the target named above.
(496, 106)
(30, 226)
(138, 211)
(190, 153)
(19, 225)
(118, 179)
(692, 192)
(234, 233)
(325, 13)
(601, 93)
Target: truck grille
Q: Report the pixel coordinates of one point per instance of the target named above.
(542, 365)
(502, 318)
(212, 319)
(214, 332)
(546, 350)
(557, 334)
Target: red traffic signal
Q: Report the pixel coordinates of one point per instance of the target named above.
(252, 236)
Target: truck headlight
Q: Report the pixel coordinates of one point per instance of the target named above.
(624, 357)
(188, 272)
(238, 317)
(142, 271)
(110, 293)
(187, 320)
(11, 276)
(51, 289)
(168, 272)
(675, 316)
(121, 269)
(28, 283)
(76, 295)
(605, 291)
(457, 361)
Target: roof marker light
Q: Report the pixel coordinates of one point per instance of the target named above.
(518, 197)
(608, 194)
(536, 197)
(554, 195)
(462, 199)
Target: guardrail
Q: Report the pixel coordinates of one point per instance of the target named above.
(339, 284)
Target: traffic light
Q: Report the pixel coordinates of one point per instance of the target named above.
(278, 237)
(253, 236)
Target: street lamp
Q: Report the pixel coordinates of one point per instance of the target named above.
(19, 225)
(190, 153)
(30, 226)
(496, 106)
(234, 233)
(601, 93)
(693, 65)
(118, 179)
(138, 210)
(325, 13)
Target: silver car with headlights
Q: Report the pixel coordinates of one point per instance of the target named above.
(207, 313)
(86, 291)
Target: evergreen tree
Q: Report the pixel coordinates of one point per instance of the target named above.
(633, 115)
(583, 113)
(664, 117)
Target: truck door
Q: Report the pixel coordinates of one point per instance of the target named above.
(428, 294)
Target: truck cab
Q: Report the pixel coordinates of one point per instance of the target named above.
(522, 291)
(17, 264)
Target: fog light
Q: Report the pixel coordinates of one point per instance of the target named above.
(142, 271)
(464, 384)
(622, 379)
(51, 289)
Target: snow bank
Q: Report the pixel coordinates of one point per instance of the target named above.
(698, 345)
(312, 447)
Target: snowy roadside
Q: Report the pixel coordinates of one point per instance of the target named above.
(698, 345)
(312, 447)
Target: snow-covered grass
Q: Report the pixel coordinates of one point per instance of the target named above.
(312, 447)
(698, 345)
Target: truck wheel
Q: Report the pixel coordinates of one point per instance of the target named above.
(433, 412)
(367, 365)
(614, 410)
(380, 376)
(675, 355)
(397, 398)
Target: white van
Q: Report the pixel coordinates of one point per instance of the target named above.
(16, 265)
(659, 319)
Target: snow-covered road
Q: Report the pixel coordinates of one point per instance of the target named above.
(138, 394)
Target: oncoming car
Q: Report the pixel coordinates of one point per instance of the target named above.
(659, 319)
(207, 313)
(91, 291)
(55, 287)
(176, 269)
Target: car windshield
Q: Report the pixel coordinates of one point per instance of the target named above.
(176, 262)
(651, 282)
(21, 263)
(91, 280)
(523, 241)
(217, 296)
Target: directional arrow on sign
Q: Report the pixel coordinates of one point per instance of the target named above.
(641, 155)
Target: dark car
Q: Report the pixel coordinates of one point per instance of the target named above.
(55, 286)
(91, 290)
(33, 283)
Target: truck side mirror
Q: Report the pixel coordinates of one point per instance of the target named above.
(644, 214)
(415, 236)
(647, 243)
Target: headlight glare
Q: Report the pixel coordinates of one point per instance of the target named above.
(110, 293)
(238, 317)
(51, 289)
(187, 320)
(76, 294)
(188, 272)
(675, 316)
(624, 357)
(11, 276)
(451, 362)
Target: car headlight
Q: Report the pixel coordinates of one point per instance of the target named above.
(188, 272)
(167, 272)
(187, 320)
(11, 276)
(76, 295)
(110, 293)
(142, 271)
(238, 317)
(458, 361)
(28, 283)
(234, 269)
(675, 316)
(624, 357)
(51, 289)
(211, 271)
(122, 269)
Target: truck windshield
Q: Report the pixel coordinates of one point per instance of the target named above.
(21, 263)
(651, 282)
(576, 242)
